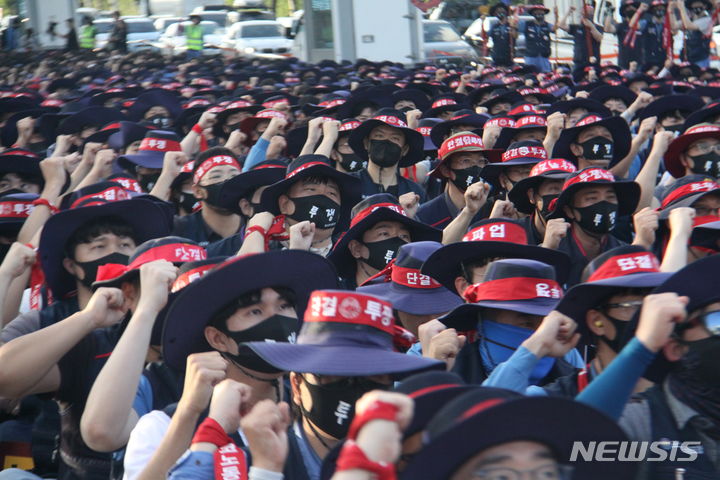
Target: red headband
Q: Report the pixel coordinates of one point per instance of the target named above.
(589, 175)
(425, 131)
(159, 145)
(333, 103)
(511, 289)
(590, 119)
(111, 194)
(627, 264)
(702, 129)
(689, 189)
(212, 162)
(270, 114)
(350, 307)
(442, 102)
(274, 103)
(498, 232)
(538, 153)
(391, 120)
(351, 125)
(190, 276)
(531, 120)
(305, 166)
(411, 277)
(129, 184)
(500, 122)
(364, 213)
(11, 209)
(173, 252)
(460, 142)
(554, 164)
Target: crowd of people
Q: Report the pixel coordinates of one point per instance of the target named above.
(248, 268)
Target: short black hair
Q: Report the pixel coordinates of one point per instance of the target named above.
(467, 266)
(220, 318)
(95, 228)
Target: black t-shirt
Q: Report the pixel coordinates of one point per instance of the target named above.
(580, 55)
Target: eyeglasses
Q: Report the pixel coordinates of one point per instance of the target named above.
(704, 148)
(545, 472)
(634, 304)
(709, 320)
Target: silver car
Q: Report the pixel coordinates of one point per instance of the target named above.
(443, 42)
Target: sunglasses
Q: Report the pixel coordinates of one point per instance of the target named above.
(709, 320)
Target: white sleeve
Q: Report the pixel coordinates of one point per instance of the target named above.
(144, 441)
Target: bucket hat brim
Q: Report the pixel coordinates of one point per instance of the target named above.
(414, 140)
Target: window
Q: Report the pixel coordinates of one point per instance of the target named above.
(259, 31)
(440, 32)
(103, 27)
(140, 27)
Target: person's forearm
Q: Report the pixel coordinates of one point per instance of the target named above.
(458, 227)
(646, 179)
(27, 359)
(175, 442)
(12, 297)
(326, 146)
(514, 373)
(620, 169)
(78, 176)
(190, 144)
(596, 34)
(549, 142)
(687, 24)
(610, 391)
(675, 256)
(253, 243)
(257, 154)
(108, 418)
(310, 143)
(40, 214)
(162, 187)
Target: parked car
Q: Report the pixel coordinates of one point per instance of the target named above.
(224, 18)
(443, 42)
(257, 37)
(141, 32)
(162, 23)
(460, 13)
(173, 39)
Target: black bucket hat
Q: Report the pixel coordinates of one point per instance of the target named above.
(527, 152)
(619, 131)
(552, 169)
(686, 191)
(243, 185)
(300, 271)
(487, 239)
(88, 117)
(442, 130)
(526, 122)
(390, 118)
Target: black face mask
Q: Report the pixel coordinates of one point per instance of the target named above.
(621, 330)
(161, 122)
(90, 268)
(500, 16)
(464, 177)
(616, 113)
(702, 361)
(698, 11)
(598, 217)
(147, 182)
(318, 209)
(384, 153)
(659, 13)
(38, 147)
(678, 129)
(598, 148)
(708, 164)
(351, 162)
(231, 127)
(539, 17)
(213, 197)
(546, 201)
(187, 201)
(274, 329)
(406, 109)
(382, 252)
(333, 404)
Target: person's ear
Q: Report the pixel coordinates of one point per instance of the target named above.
(461, 284)
(131, 295)
(334, 155)
(295, 387)
(217, 339)
(358, 250)
(199, 192)
(674, 350)
(446, 172)
(246, 208)
(366, 144)
(287, 206)
(686, 161)
(505, 181)
(404, 150)
(595, 322)
(576, 149)
(569, 213)
(73, 268)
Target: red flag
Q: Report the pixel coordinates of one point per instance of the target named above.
(667, 36)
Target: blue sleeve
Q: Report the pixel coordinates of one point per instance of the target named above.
(194, 466)
(514, 373)
(610, 391)
(143, 402)
(257, 154)
(415, 350)
(574, 358)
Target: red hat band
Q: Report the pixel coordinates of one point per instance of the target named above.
(152, 144)
(588, 176)
(497, 232)
(212, 162)
(362, 214)
(513, 289)
(350, 307)
(190, 276)
(627, 264)
(553, 165)
(689, 189)
(538, 153)
(459, 142)
(411, 277)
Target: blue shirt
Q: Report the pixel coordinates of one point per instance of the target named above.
(312, 462)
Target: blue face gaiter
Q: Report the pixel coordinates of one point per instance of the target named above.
(499, 341)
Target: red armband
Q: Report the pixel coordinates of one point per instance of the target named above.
(210, 431)
(352, 457)
(376, 411)
(197, 129)
(46, 202)
(261, 231)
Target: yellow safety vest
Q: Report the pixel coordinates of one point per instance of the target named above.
(87, 36)
(194, 37)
